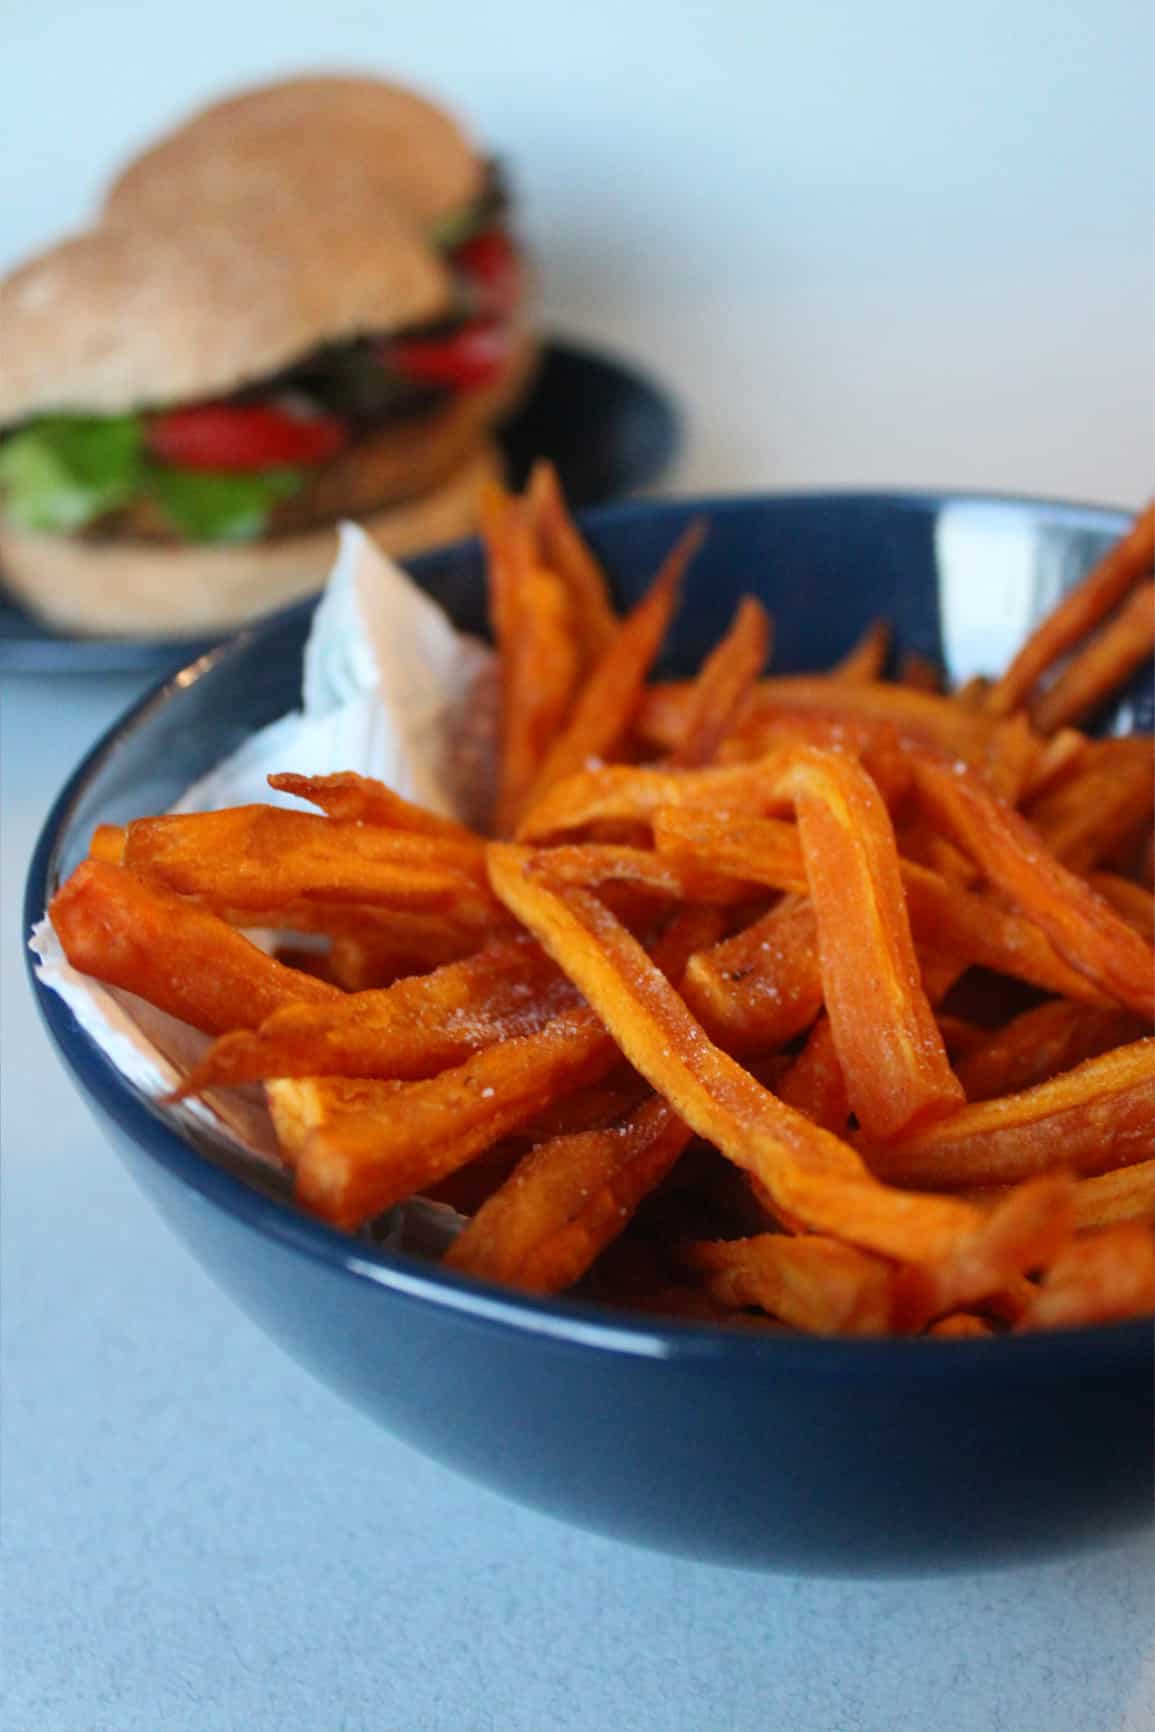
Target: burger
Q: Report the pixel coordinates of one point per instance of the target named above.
(304, 305)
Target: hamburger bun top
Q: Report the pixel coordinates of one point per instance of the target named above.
(128, 315)
(313, 131)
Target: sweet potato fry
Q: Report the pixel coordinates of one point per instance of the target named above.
(723, 685)
(609, 700)
(1058, 760)
(1082, 927)
(762, 987)
(1079, 612)
(1040, 1044)
(1105, 803)
(562, 548)
(567, 1199)
(809, 1173)
(540, 669)
(960, 1326)
(1100, 1114)
(1104, 663)
(919, 672)
(1025, 1232)
(815, 1084)
(1012, 755)
(1104, 1200)
(299, 1106)
(627, 793)
(354, 799)
(916, 717)
(784, 703)
(108, 844)
(180, 957)
(1133, 901)
(815, 1284)
(367, 956)
(888, 1044)
(867, 659)
(1108, 1199)
(351, 1172)
(260, 856)
(968, 926)
(1102, 1278)
(416, 1028)
(595, 863)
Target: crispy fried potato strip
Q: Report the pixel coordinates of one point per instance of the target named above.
(355, 799)
(1080, 611)
(1100, 1114)
(1083, 928)
(1024, 1232)
(562, 548)
(606, 706)
(181, 958)
(415, 1028)
(809, 1173)
(1102, 1278)
(567, 1199)
(726, 679)
(1108, 659)
(1041, 1043)
(815, 1284)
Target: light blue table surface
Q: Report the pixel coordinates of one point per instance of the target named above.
(197, 1538)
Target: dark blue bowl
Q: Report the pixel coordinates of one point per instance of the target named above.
(776, 1452)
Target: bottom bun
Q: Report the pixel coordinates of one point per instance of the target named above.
(141, 590)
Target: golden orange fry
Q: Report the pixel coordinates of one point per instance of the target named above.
(355, 799)
(1023, 1233)
(1108, 659)
(723, 685)
(1103, 1277)
(815, 1284)
(608, 702)
(1082, 927)
(809, 1173)
(566, 1200)
(179, 957)
(867, 658)
(1100, 1114)
(1077, 614)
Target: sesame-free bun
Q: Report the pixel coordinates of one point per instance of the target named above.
(132, 589)
(126, 315)
(314, 131)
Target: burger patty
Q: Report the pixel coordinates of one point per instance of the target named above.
(386, 465)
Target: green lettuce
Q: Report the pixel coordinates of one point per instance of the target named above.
(60, 473)
(217, 507)
(63, 471)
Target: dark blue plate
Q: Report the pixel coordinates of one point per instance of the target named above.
(867, 1457)
(608, 428)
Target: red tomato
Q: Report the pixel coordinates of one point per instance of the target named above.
(491, 263)
(240, 437)
(472, 355)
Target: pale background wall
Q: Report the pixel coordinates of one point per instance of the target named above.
(889, 242)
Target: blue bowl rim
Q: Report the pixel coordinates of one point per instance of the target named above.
(1103, 1350)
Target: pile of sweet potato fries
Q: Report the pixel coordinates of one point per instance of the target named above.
(818, 1002)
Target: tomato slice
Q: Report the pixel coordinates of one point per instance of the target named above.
(241, 437)
(471, 356)
(491, 263)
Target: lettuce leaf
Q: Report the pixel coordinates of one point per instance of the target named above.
(60, 472)
(203, 506)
